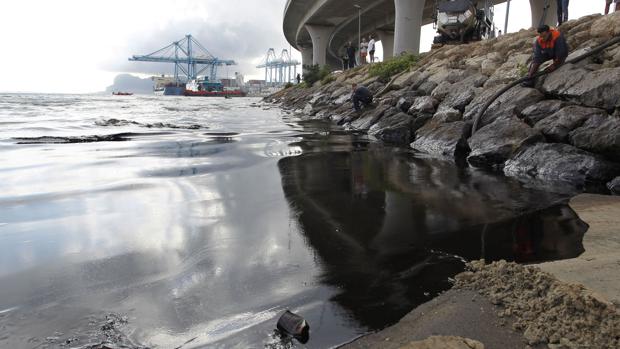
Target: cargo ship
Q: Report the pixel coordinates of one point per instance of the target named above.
(206, 88)
(199, 88)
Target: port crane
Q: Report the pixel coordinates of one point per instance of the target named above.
(190, 59)
(278, 69)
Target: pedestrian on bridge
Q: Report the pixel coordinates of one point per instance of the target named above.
(363, 51)
(562, 11)
(371, 49)
(351, 54)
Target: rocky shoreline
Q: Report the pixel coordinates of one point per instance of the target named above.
(566, 130)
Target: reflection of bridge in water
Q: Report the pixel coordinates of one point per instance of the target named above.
(388, 227)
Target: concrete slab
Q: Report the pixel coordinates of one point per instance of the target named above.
(455, 313)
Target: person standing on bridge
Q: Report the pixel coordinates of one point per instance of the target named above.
(550, 44)
(562, 11)
(351, 54)
(371, 49)
(607, 4)
(363, 51)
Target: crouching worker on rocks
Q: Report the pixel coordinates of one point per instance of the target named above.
(362, 95)
(550, 44)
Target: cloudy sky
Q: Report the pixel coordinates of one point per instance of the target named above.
(68, 46)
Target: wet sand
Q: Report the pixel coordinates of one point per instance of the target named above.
(471, 313)
(597, 267)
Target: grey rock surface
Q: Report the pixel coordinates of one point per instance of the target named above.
(442, 90)
(562, 162)
(507, 105)
(426, 88)
(458, 98)
(447, 115)
(495, 143)
(557, 126)
(369, 117)
(393, 128)
(424, 104)
(443, 139)
(614, 186)
(538, 111)
(599, 134)
(597, 88)
(406, 101)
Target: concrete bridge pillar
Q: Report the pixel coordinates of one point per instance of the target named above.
(408, 26)
(319, 35)
(551, 18)
(306, 55)
(387, 40)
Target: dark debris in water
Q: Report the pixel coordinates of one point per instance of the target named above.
(122, 122)
(101, 333)
(119, 137)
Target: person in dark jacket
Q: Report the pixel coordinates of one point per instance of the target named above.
(549, 45)
(351, 54)
(362, 95)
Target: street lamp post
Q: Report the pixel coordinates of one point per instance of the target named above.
(506, 21)
(359, 31)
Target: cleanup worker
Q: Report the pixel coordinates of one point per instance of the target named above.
(550, 44)
(362, 95)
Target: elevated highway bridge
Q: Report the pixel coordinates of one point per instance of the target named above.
(319, 29)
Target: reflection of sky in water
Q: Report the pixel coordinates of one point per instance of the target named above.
(210, 234)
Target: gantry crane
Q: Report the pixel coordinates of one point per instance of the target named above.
(190, 59)
(278, 69)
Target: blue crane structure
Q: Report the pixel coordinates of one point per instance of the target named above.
(278, 69)
(190, 59)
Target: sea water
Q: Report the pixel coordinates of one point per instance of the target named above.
(176, 222)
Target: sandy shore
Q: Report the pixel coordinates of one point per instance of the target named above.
(477, 307)
(598, 268)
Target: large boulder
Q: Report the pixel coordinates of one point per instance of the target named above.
(406, 100)
(443, 139)
(442, 90)
(459, 97)
(426, 88)
(614, 186)
(557, 126)
(598, 88)
(459, 94)
(447, 115)
(369, 117)
(536, 112)
(510, 71)
(511, 103)
(563, 162)
(599, 134)
(423, 104)
(393, 128)
(493, 144)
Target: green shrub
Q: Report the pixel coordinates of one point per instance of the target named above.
(385, 70)
(522, 69)
(288, 85)
(314, 73)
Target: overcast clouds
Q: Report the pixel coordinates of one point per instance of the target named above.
(81, 45)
